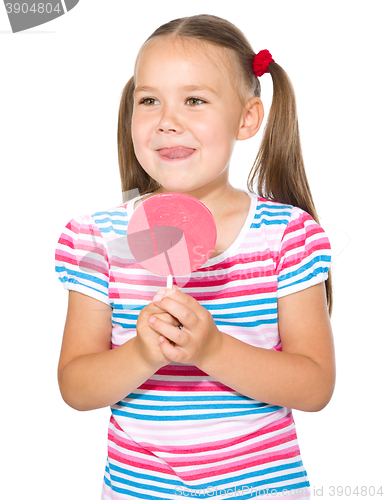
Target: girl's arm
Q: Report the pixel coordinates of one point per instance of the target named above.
(92, 375)
(302, 376)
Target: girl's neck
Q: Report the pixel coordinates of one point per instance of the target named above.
(219, 201)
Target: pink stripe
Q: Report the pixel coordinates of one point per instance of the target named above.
(298, 223)
(235, 291)
(144, 431)
(83, 228)
(259, 338)
(300, 241)
(127, 444)
(156, 385)
(120, 263)
(252, 462)
(277, 347)
(293, 260)
(186, 371)
(233, 454)
(79, 244)
(86, 263)
(223, 469)
(137, 463)
(281, 424)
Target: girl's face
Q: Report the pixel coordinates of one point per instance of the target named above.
(186, 116)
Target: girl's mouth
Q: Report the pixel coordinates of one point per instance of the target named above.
(175, 153)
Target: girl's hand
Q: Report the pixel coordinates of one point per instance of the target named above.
(199, 336)
(147, 339)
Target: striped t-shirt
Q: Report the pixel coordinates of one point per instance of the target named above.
(183, 433)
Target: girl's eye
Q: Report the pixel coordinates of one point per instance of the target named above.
(194, 101)
(148, 101)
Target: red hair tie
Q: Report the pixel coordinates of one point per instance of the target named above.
(261, 62)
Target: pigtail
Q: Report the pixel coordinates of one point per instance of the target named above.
(279, 165)
(132, 174)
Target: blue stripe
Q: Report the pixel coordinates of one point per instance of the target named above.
(129, 307)
(251, 324)
(246, 314)
(267, 213)
(161, 408)
(87, 277)
(305, 267)
(113, 222)
(240, 477)
(132, 493)
(126, 316)
(210, 487)
(309, 277)
(209, 416)
(126, 326)
(217, 307)
(245, 303)
(257, 225)
(109, 229)
(255, 492)
(218, 320)
(107, 212)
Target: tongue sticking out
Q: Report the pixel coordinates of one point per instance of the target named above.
(178, 152)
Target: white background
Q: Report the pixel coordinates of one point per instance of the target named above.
(60, 89)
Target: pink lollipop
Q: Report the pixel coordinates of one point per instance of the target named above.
(171, 234)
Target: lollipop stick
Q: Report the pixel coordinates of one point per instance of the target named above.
(169, 277)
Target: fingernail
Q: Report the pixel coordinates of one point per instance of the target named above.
(157, 298)
(151, 319)
(161, 291)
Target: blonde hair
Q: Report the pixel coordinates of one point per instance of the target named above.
(278, 170)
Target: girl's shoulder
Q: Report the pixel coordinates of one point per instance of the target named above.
(287, 227)
(111, 222)
(282, 213)
(270, 212)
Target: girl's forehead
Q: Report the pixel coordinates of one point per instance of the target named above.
(191, 51)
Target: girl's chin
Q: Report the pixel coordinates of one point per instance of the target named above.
(175, 184)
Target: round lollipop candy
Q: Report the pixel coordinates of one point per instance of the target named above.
(171, 234)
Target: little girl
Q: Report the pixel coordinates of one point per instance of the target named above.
(201, 379)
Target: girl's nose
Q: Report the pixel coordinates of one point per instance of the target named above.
(169, 122)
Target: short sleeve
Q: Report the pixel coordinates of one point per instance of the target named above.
(81, 259)
(304, 255)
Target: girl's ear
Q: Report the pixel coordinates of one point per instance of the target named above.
(251, 120)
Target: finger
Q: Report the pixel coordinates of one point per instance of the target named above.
(169, 347)
(172, 333)
(164, 292)
(167, 318)
(154, 309)
(178, 296)
(181, 306)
